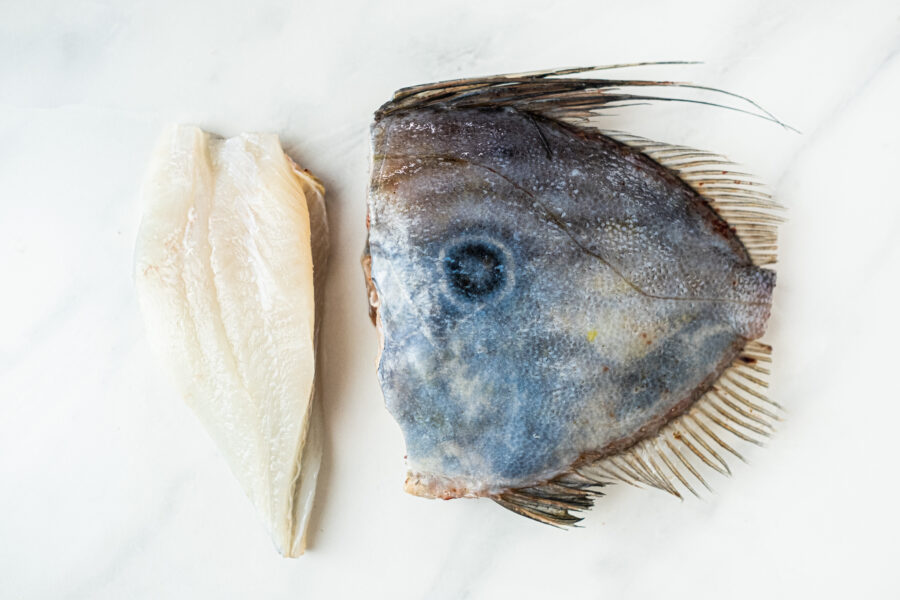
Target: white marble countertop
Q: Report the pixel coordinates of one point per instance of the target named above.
(109, 488)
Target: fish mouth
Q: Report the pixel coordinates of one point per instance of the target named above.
(427, 485)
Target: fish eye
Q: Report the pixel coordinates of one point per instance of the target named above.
(475, 269)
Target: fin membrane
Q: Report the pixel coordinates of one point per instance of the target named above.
(736, 409)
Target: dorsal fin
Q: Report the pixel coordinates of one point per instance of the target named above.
(735, 410)
(552, 93)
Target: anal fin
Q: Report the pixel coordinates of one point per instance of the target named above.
(734, 411)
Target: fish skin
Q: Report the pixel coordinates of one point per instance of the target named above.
(624, 295)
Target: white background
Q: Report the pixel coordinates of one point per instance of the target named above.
(109, 488)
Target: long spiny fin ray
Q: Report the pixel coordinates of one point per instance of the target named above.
(744, 387)
(628, 470)
(718, 440)
(668, 462)
(755, 366)
(741, 410)
(746, 211)
(539, 516)
(633, 459)
(542, 503)
(725, 179)
(744, 201)
(605, 473)
(650, 449)
(684, 447)
(687, 463)
(617, 474)
(716, 463)
(753, 406)
(553, 94)
(736, 420)
(742, 371)
(728, 427)
(652, 478)
(716, 174)
(744, 192)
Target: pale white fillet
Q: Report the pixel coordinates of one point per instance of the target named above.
(224, 274)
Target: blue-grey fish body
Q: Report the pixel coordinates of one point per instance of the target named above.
(547, 296)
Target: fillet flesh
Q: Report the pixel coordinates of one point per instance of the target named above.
(224, 268)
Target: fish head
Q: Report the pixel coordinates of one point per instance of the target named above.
(541, 293)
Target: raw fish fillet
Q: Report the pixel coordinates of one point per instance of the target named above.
(224, 271)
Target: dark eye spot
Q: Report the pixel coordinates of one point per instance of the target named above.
(475, 270)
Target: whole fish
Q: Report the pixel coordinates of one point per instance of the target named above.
(561, 307)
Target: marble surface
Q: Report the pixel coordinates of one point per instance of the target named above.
(109, 488)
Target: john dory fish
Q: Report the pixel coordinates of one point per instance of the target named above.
(561, 306)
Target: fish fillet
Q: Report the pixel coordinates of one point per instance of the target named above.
(224, 259)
